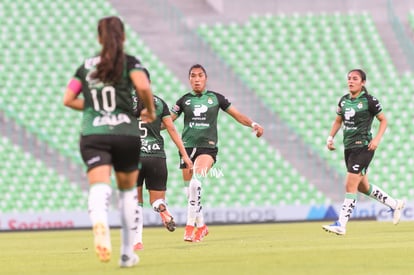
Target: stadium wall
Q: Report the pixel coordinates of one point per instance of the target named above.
(240, 215)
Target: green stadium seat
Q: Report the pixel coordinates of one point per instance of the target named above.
(306, 47)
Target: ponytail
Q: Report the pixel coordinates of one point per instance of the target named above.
(111, 35)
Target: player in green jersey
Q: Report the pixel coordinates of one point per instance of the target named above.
(200, 108)
(356, 111)
(153, 164)
(109, 133)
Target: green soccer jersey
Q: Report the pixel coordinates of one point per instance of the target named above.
(152, 142)
(108, 106)
(200, 117)
(357, 116)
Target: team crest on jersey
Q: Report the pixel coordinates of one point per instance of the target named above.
(209, 100)
(360, 105)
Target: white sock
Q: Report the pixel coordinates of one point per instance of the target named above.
(128, 209)
(156, 205)
(98, 202)
(381, 196)
(140, 225)
(200, 218)
(194, 201)
(347, 208)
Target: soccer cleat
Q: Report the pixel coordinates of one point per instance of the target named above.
(127, 261)
(168, 220)
(396, 216)
(188, 234)
(138, 246)
(102, 242)
(200, 233)
(336, 228)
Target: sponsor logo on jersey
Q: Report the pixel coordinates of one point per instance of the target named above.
(349, 113)
(92, 62)
(111, 120)
(200, 109)
(93, 83)
(198, 124)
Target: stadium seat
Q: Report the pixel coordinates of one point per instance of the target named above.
(310, 56)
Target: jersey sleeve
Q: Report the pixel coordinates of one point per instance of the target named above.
(133, 64)
(178, 107)
(339, 106)
(224, 103)
(374, 106)
(165, 109)
(78, 73)
(75, 84)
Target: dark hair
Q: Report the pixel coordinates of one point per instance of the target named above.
(363, 76)
(197, 66)
(111, 35)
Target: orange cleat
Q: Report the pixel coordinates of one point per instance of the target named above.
(188, 234)
(200, 233)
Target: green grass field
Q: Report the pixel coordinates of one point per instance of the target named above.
(284, 248)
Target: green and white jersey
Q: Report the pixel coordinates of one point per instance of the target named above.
(108, 106)
(357, 116)
(152, 142)
(200, 117)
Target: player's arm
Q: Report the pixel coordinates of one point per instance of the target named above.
(172, 131)
(173, 116)
(336, 125)
(245, 120)
(381, 130)
(375, 108)
(71, 97)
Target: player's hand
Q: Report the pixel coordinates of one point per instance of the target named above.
(188, 162)
(146, 116)
(257, 129)
(330, 143)
(373, 145)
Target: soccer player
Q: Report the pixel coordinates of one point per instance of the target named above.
(109, 133)
(153, 165)
(356, 111)
(200, 108)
